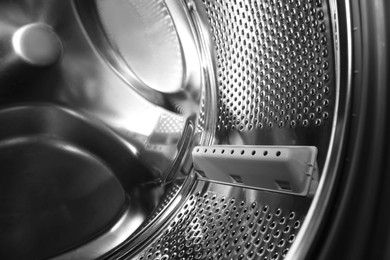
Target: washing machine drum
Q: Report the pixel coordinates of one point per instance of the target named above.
(188, 129)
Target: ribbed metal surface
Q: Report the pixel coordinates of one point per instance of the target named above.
(225, 222)
(275, 63)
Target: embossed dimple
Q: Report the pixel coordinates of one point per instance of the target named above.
(278, 48)
(242, 230)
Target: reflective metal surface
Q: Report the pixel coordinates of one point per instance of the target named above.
(276, 72)
(277, 66)
(37, 44)
(110, 113)
(83, 81)
(218, 221)
(341, 23)
(78, 132)
(56, 181)
(145, 36)
(143, 200)
(149, 47)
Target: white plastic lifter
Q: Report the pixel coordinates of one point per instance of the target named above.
(287, 169)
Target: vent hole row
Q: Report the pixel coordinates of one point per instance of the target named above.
(253, 152)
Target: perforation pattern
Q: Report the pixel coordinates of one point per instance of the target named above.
(149, 45)
(169, 124)
(211, 227)
(275, 63)
(202, 114)
(165, 201)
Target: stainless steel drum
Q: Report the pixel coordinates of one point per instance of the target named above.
(190, 129)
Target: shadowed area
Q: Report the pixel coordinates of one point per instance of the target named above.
(60, 183)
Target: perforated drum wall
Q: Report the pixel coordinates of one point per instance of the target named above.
(275, 63)
(223, 222)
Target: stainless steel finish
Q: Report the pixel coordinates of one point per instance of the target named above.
(159, 60)
(207, 117)
(56, 179)
(143, 200)
(170, 195)
(180, 106)
(341, 22)
(277, 67)
(224, 222)
(176, 195)
(275, 72)
(70, 110)
(83, 81)
(263, 85)
(144, 35)
(119, 232)
(37, 44)
(122, 99)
